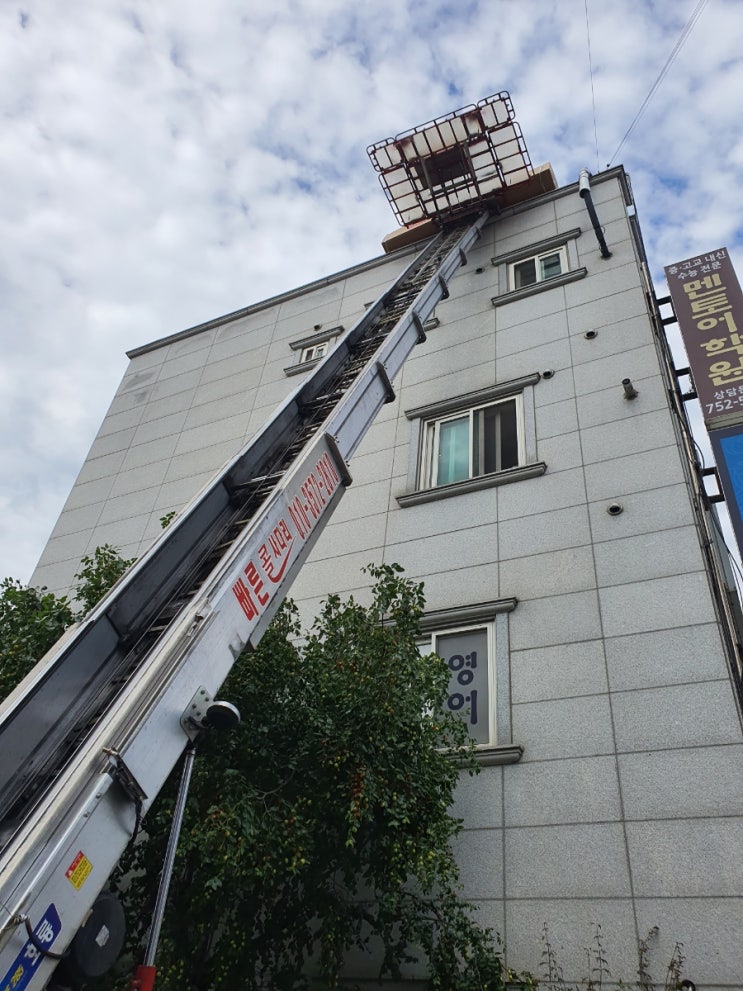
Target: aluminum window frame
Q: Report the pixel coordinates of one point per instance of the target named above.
(312, 348)
(494, 615)
(428, 478)
(538, 258)
(313, 352)
(415, 491)
(428, 644)
(504, 263)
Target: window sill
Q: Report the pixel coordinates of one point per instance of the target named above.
(472, 484)
(558, 280)
(494, 755)
(303, 366)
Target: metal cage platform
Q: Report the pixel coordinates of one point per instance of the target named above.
(453, 164)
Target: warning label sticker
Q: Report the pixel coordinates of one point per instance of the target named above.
(77, 872)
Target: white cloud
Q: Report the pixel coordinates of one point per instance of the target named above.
(165, 163)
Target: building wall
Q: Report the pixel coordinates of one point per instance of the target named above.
(625, 806)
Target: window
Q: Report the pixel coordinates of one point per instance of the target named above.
(473, 442)
(468, 653)
(473, 640)
(551, 262)
(538, 268)
(465, 443)
(312, 348)
(314, 352)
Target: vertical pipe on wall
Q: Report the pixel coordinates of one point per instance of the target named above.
(584, 188)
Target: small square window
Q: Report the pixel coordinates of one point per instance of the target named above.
(539, 268)
(473, 442)
(469, 653)
(314, 352)
(310, 350)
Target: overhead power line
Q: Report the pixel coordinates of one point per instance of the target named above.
(695, 15)
(593, 95)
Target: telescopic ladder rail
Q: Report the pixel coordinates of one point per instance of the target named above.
(101, 716)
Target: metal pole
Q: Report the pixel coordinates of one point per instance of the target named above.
(175, 832)
(144, 978)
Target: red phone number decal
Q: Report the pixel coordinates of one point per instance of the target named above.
(255, 591)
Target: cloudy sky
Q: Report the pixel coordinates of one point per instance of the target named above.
(163, 162)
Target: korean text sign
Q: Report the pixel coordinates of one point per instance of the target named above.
(708, 302)
(295, 517)
(27, 961)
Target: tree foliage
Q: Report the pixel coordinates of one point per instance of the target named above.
(321, 826)
(33, 619)
(98, 573)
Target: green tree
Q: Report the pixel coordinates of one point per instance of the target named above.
(321, 825)
(98, 572)
(33, 619)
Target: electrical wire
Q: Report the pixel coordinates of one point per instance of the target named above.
(695, 15)
(593, 95)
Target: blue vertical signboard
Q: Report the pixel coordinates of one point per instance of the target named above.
(708, 305)
(23, 967)
(727, 444)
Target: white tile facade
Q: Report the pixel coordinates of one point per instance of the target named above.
(625, 809)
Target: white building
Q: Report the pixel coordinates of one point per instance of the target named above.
(560, 531)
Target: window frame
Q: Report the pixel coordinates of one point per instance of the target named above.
(566, 243)
(419, 491)
(430, 645)
(562, 253)
(314, 352)
(310, 344)
(493, 616)
(432, 441)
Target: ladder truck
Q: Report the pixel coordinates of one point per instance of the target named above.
(89, 737)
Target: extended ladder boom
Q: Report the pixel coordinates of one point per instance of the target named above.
(89, 737)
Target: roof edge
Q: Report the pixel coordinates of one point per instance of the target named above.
(617, 172)
(264, 304)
